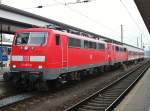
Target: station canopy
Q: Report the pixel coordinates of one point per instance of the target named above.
(144, 9)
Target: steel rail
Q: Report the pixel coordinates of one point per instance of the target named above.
(107, 98)
(21, 97)
(113, 105)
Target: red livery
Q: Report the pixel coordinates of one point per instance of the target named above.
(41, 54)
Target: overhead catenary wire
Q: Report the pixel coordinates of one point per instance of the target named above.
(87, 17)
(66, 3)
(76, 11)
(132, 18)
(130, 15)
(43, 6)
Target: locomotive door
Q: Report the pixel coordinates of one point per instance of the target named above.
(109, 52)
(64, 46)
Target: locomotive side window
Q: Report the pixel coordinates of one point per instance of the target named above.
(120, 49)
(125, 49)
(117, 48)
(100, 46)
(93, 45)
(31, 38)
(74, 42)
(86, 44)
(57, 39)
(90, 45)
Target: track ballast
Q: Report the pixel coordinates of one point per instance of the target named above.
(108, 97)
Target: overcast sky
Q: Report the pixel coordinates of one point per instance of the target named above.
(103, 17)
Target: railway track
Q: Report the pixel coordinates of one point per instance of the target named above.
(107, 98)
(12, 100)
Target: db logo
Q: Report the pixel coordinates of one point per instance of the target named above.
(26, 58)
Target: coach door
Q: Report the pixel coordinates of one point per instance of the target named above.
(64, 45)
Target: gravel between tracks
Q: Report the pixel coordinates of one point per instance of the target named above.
(64, 98)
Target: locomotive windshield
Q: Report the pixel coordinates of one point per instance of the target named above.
(31, 38)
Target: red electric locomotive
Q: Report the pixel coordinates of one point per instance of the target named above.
(117, 53)
(40, 54)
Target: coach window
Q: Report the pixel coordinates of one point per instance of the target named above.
(57, 39)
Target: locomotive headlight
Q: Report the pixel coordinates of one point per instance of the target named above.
(40, 67)
(25, 48)
(14, 66)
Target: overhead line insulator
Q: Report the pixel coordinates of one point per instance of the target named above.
(40, 6)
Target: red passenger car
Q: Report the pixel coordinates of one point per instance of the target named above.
(134, 53)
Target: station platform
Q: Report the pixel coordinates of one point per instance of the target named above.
(2, 70)
(138, 98)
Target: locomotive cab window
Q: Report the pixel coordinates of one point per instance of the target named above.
(22, 38)
(31, 38)
(57, 39)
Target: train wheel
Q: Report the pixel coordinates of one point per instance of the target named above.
(7, 76)
(41, 86)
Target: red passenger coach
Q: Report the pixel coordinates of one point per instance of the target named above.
(40, 54)
(134, 53)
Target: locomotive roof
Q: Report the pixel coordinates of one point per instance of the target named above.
(78, 36)
(32, 29)
(62, 33)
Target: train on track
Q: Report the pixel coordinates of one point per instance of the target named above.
(39, 55)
